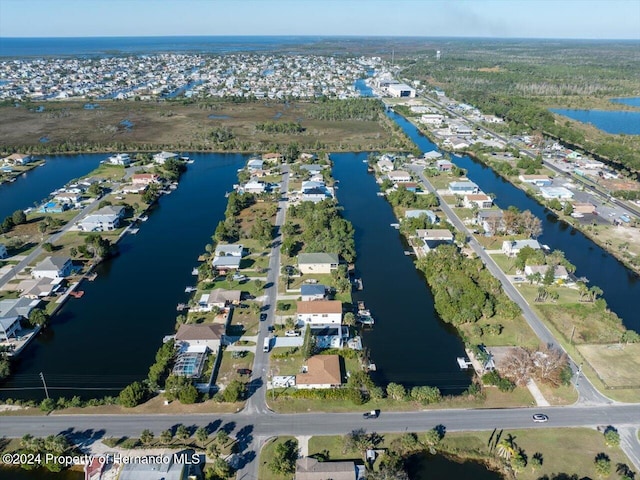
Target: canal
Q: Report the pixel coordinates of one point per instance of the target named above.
(620, 285)
(98, 344)
(32, 187)
(409, 343)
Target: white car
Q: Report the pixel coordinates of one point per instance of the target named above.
(291, 333)
(540, 418)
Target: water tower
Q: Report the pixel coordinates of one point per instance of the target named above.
(437, 54)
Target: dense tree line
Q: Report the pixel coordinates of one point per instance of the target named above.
(325, 229)
(464, 291)
(404, 198)
(363, 109)
(280, 127)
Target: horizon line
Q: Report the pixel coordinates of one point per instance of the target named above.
(320, 36)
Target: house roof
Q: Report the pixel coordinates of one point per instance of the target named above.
(208, 331)
(110, 210)
(322, 306)
(435, 233)
(17, 307)
(314, 258)
(225, 250)
(308, 468)
(520, 244)
(7, 322)
(321, 370)
(398, 174)
(418, 213)
(558, 272)
(477, 196)
(220, 295)
(432, 155)
(317, 289)
(462, 185)
(490, 213)
(56, 263)
(227, 261)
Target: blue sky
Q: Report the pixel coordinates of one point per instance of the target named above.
(615, 19)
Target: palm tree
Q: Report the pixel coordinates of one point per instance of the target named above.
(507, 447)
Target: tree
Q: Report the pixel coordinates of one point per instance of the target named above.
(611, 437)
(425, 394)
(360, 441)
(38, 316)
(18, 217)
(602, 464)
(284, 458)
(132, 395)
(219, 470)
(396, 391)
(518, 461)
(201, 435)
(166, 436)
(234, 392)
(518, 366)
(549, 276)
(550, 365)
(5, 366)
(507, 447)
(146, 436)
(432, 438)
(182, 432)
(349, 319)
(188, 394)
(568, 209)
(222, 437)
(536, 461)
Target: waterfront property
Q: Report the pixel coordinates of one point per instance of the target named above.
(559, 272)
(317, 263)
(105, 219)
(309, 293)
(227, 257)
(315, 191)
(218, 298)
(162, 157)
(17, 307)
(17, 159)
(537, 180)
(433, 238)
(478, 200)
(53, 267)
(8, 327)
(209, 335)
(122, 159)
(320, 313)
(144, 179)
(511, 248)
(399, 176)
(421, 213)
(561, 193)
(322, 371)
(463, 188)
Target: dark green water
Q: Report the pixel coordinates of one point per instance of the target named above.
(424, 466)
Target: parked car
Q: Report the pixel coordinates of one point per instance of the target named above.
(291, 333)
(372, 414)
(244, 371)
(263, 317)
(540, 418)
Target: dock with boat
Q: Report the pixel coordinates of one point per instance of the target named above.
(363, 316)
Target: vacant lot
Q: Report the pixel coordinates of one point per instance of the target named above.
(172, 125)
(618, 365)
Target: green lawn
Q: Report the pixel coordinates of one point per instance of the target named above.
(267, 453)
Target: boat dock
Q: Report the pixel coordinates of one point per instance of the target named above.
(463, 363)
(190, 289)
(357, 283)
(181, 306)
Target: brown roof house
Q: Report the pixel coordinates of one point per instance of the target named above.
(322, 371)
(204, 334)
(320, 312)
(311, 469)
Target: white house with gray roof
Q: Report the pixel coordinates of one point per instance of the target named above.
(512, 247)
(317, 262)
(229, 251)
(53, 267)
(17, 307)
(8, 327)
(162, 157)
(102, 220)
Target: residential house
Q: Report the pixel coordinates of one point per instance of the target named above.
(201, 334)
(479, 200)
(561, 193)
(444, 165)
(559, 273)
(463, 188)
(419, 213)
(17, 307)
(461, 130)
(226, 263)
(162, 157)
(144, 179)
(149, 468)
(491, 221)
(537, 180)
(3, 251)
(120, 159)
(456, 143)
(39, 288)
(385, 164)
(17, 159)
(399, 176)
(315, 191)
(512, 247)
(322, 371)
(230, 250)
(102, 220)
(276, 157)
(432, 155)
(308, 468)
(433, 238)
(320, 313)
(310, 293)
(317, 262)
(219, 298)
(53, 267)
(8, 327)
(254, 186)
(53, 207)
(312, 168)
(67, 198)
(255, 164)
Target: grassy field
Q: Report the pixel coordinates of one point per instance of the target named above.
(567, 450)
(618, 365)
(267, 453)
(177, 126)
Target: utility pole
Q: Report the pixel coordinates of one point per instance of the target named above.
(45, 385)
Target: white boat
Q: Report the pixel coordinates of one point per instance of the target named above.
(133, 231)
(143, 218)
